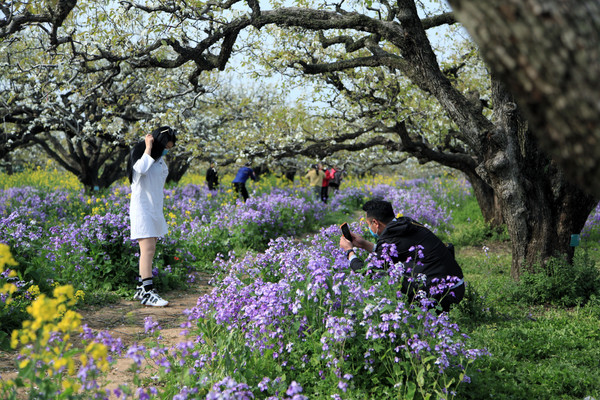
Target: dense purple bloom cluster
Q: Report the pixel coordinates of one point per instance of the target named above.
(292, 322)
(295, 293)
(81, 236)
(410, 198)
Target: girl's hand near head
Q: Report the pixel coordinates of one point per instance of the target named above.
(149, 139)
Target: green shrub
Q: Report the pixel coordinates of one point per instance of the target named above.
(560, 283)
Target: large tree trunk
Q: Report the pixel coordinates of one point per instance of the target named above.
(96, 163)
(541, 208)
(488, 202)
(547, 52)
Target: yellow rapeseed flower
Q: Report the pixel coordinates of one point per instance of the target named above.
(34, 290)
(59, 363)
(14, 339)
(69, 384)
(8, 288)
(5, 257)
(80, 295)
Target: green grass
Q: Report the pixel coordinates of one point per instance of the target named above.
(539, 349)
(469, 227)
(542, 352)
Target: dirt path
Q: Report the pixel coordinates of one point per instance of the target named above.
(125, 320)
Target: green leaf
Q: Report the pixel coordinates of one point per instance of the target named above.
(411, 389)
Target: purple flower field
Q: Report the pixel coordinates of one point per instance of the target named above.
(286, 318)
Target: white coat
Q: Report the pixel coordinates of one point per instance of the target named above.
(146, 205)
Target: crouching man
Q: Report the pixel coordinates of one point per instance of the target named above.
(437, 262)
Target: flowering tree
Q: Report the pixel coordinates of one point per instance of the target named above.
(47, 15)
(362, 50)
(539, 205)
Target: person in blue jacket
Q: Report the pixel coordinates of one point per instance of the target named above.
(239, 183)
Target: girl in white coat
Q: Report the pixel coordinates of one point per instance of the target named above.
(147, 173)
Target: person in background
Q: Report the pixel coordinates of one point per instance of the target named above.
(315, 179)
(212, 177)
(437, 263)
(335, 178)
(147, 173)
(325, 184)
(239, 182)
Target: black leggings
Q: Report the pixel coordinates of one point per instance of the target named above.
(241, 188)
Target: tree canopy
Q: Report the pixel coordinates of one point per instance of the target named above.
(383, 77)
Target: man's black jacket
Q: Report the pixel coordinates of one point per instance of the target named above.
(405, 233)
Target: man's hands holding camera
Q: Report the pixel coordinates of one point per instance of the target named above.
(357, 241)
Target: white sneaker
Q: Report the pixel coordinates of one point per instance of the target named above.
(152, 298)
(139, 292)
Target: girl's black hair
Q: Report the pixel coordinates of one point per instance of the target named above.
(162, 136)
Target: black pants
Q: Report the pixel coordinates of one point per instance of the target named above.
(211, 185)
(324, 194)
(241, 188)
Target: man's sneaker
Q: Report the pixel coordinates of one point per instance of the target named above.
(152, 298)
(139, 292)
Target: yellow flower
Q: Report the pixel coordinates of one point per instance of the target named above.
(5, 257)
(59, 363)
(8, 288)
(97, 351)
(14, 339)
(64, 292)
(68, 384)
(34, 290)
(80, 295)
(23, 364)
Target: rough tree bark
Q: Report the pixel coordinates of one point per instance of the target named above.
(542, 208)
(547, 53)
